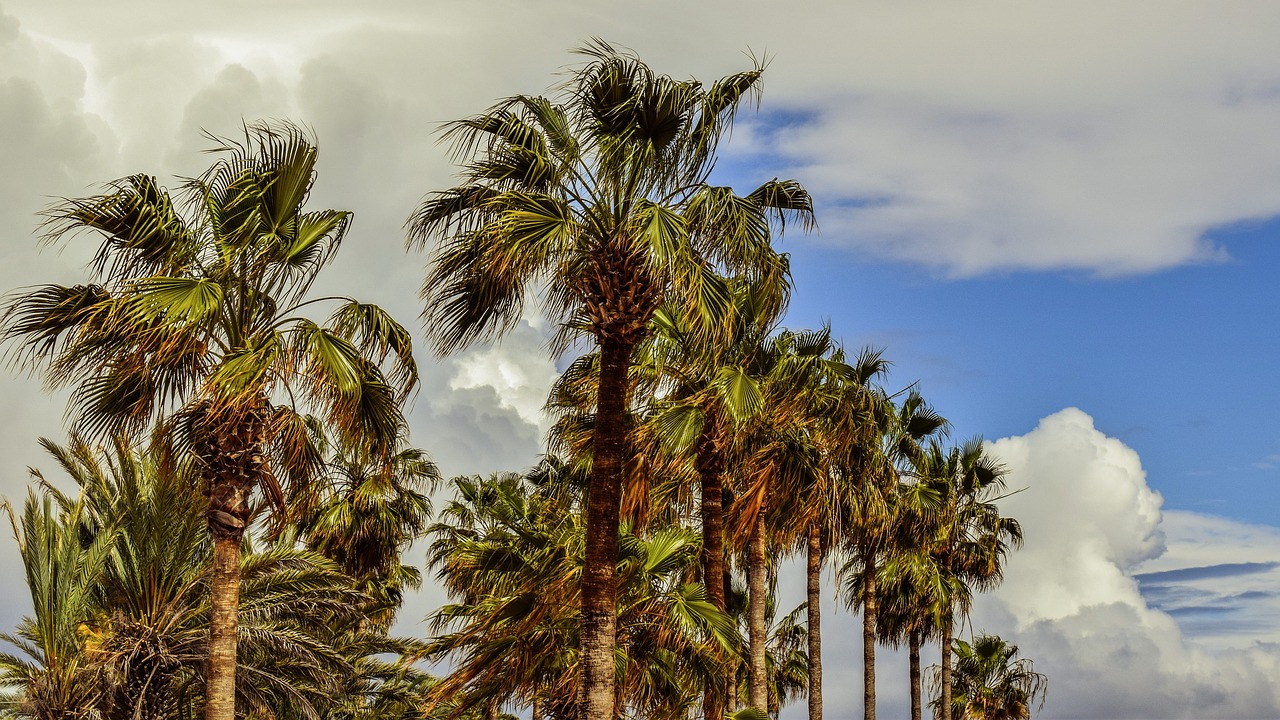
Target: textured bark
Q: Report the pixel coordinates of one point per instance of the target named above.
(710, 465)
(220, 694)
(535, 712)
(913, 651)
(869, 637)
(945, 710)
(813, 588)
(758, 697)
(231, 438)
(599, 611)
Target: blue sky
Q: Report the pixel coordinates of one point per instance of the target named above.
(1178, 364)
(1060, 218)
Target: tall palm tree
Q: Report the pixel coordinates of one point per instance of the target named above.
(777, 459)
(202, 315)
(913, 594)
(840, 401)
(901, 619)
(989, 684)
(600, 198)
(707, 395)
(969, 540)
(873, 470)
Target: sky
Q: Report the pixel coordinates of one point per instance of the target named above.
(1059, 218)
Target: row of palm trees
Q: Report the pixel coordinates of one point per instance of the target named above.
(690, 407)
(599, 200)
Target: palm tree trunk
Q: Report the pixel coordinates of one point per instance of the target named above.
(758, 696)
(945, 713)
(913, 645)
(220, 692)
(535, 713)
(231, 449)
(869, 635)
(813, 587)
(710, 463)
(604, 497)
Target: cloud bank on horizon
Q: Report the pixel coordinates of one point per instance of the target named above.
(1101, 592)
(1093, 595)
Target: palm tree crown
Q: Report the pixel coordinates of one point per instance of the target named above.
(989, 684)
(601, 197)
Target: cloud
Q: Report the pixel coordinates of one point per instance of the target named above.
(1110, 596)
(968, 138)
(1087, 514)
(1131, 612)
(519, 370)
(49, 147)
(1220, 578)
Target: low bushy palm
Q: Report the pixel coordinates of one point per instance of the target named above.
(988, 683)
(119, 574)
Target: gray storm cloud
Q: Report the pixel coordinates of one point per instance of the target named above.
(967, 138)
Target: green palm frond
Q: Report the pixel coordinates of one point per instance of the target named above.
(379, 336)
(141, 229)
(314, 241)
(679, 426)
(739, 393)
(178, 299)
(698, 617)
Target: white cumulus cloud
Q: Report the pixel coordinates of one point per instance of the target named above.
(1075, 598)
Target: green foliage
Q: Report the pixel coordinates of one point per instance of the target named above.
(988, 683)
(182, 310)
(509, 550)
(599, 194)
(118, 576)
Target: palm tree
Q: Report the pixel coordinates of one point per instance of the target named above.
(56, 674)
(969, 538)
(707, 395)
(510, 552)
(202, 315)
(776, 456)
(362, 512)
(872, 470)
(989, 684)
(787, 659)
(840, 401)
(600, 198)
(913, 596)
(506, 555)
